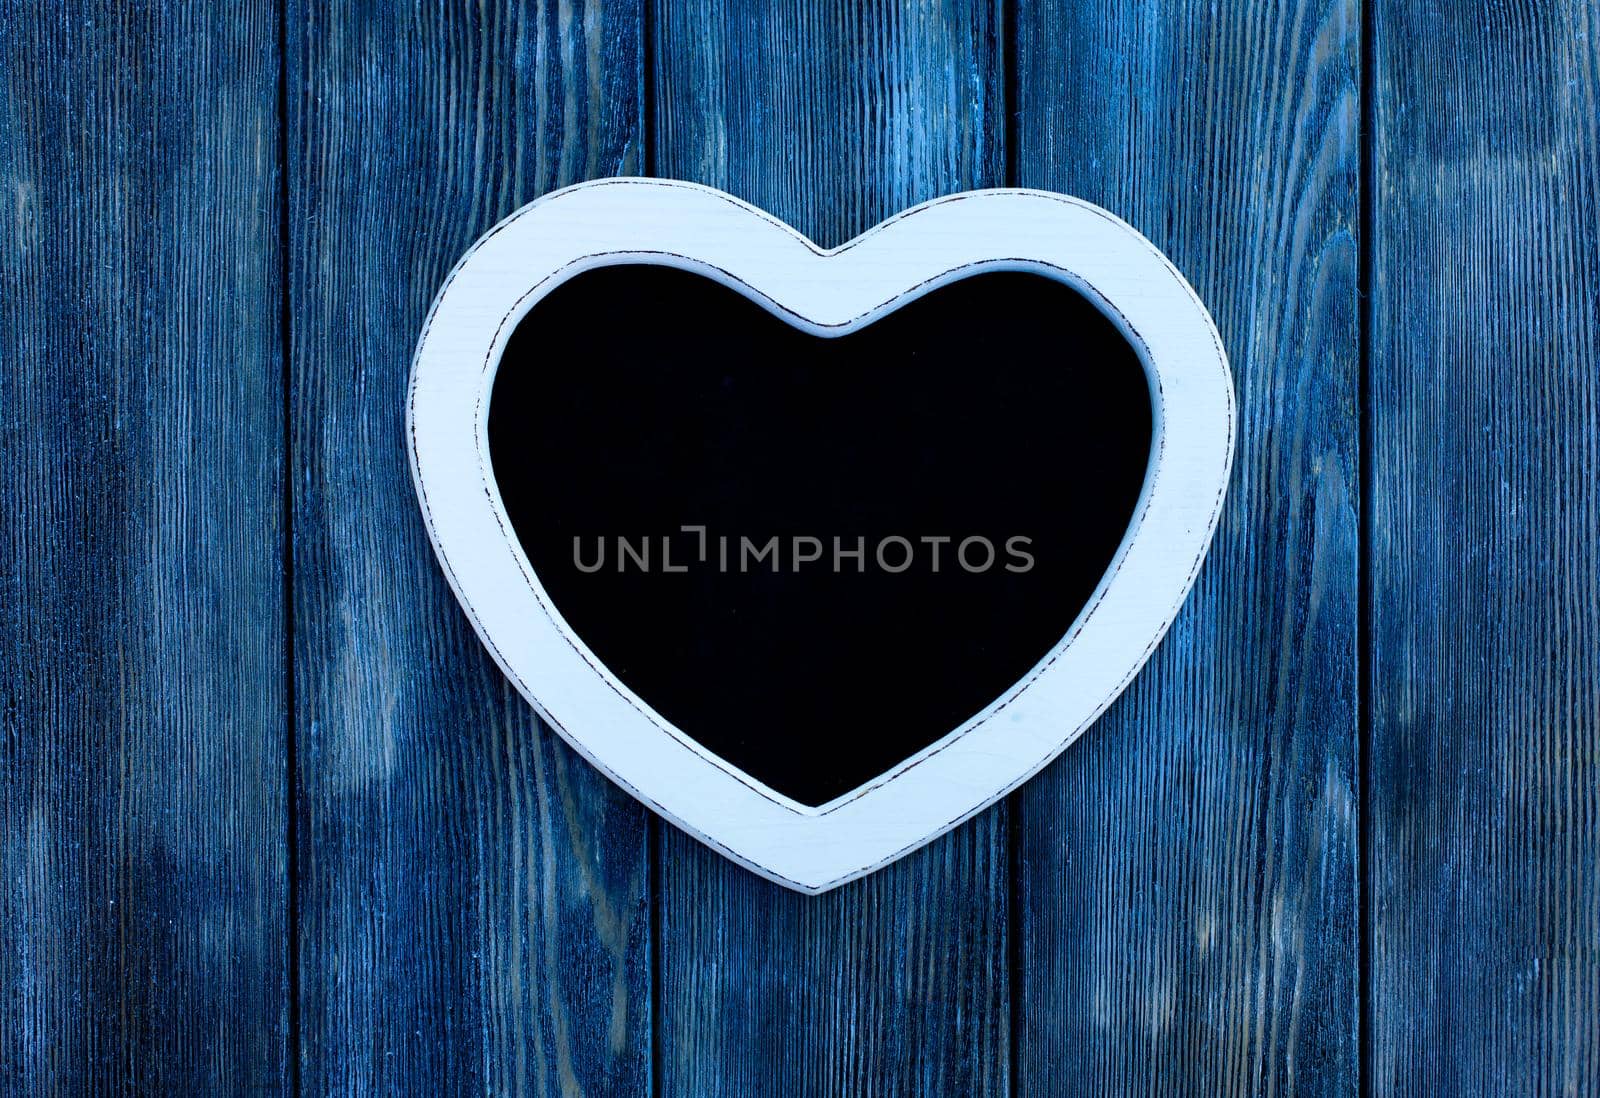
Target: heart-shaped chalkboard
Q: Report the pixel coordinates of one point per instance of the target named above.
(818, 552)
(946, 488)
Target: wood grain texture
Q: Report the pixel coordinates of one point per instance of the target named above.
(473, 905)
(1485, 441)
(142, 674)
(1187, 885)
(833, 117)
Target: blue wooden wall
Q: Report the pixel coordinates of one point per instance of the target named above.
(271, 821)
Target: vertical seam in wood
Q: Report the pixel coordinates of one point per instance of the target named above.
(1013, 812)
(1364, 635)
(655, 850)
(1013, 940)
(1008, 89)
(286, 490)
(654, 853)
(647, 88)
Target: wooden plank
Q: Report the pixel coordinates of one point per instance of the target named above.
(1485, 388)
(473, 899)
(142, 642)
(1188, 889)
(833, 117)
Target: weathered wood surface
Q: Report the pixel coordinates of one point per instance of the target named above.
(1485, 460)
(1187, 885)
(1173, 907)
(142, 672)
(473, 898)
(833, 117)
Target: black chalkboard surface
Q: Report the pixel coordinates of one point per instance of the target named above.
(817, 556)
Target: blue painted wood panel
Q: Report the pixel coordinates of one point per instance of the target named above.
(833, 116)
(1187, 885)
(1485, 552)
(472, 897)
(143, 852)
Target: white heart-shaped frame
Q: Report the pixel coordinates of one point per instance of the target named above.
(825, 292)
